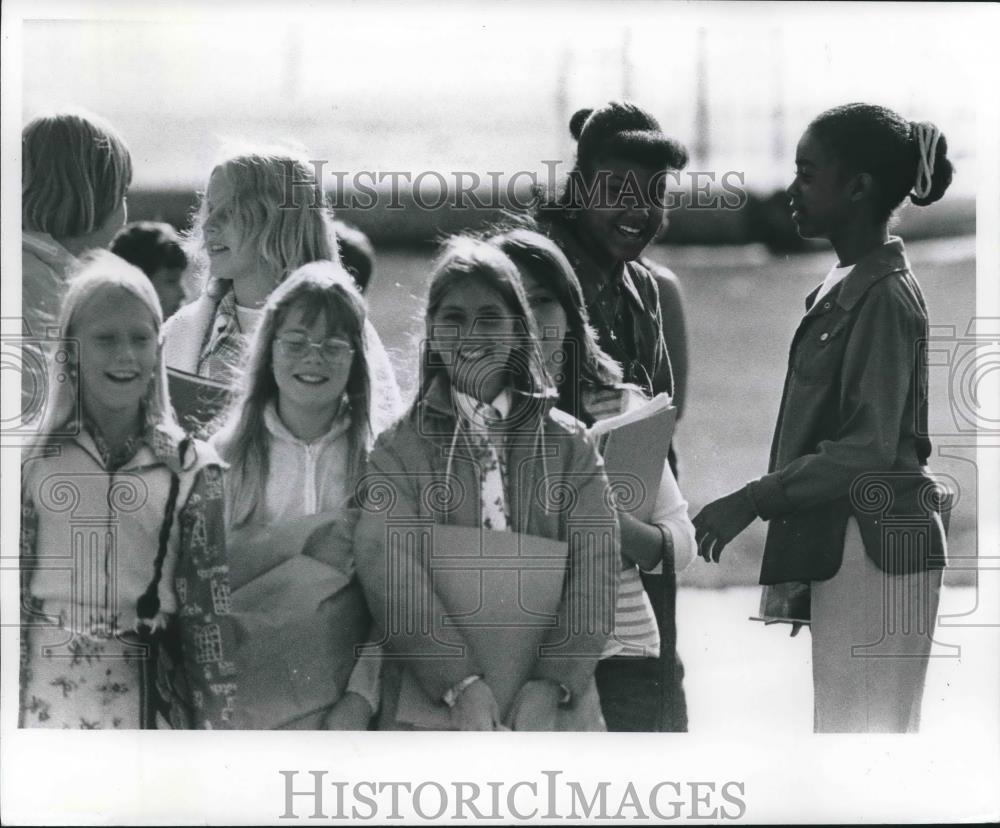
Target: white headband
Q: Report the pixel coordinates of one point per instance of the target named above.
(927, 138)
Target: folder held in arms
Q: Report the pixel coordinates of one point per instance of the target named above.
(635, 445)
(501, 592)
(299, 616)
(196, 400)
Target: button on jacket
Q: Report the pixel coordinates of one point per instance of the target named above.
(851, 437)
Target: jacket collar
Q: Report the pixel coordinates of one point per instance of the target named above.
(889, 258)
(160, 445)
(438, 401)
(47, 249)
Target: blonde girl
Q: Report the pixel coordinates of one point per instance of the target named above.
(295, 443)
(484, 426)
(75, 171)
(125, 593)
(262, 216)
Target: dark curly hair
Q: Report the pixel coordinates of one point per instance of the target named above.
(150, 246)
(615, 130)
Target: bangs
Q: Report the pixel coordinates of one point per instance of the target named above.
(330, 305)
(503, 287)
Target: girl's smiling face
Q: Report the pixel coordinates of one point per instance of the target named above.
(118, 350)
(627, 209)
(311, 362)
(820, 195)
(550, 319)
(230, 255)
(475, 332)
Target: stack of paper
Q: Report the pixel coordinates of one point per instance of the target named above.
(635, 445)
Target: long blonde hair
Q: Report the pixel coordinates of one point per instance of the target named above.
(100, 270)
(278, 202)
(243, 440)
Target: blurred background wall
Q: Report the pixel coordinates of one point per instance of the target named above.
(491, 88)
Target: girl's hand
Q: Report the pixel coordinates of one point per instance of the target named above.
(476, 709)
(535, 707)
(721, 521)
(351, 712)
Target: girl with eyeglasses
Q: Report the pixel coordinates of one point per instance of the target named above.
(295, 441)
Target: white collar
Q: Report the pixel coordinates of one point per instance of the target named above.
(469, 407)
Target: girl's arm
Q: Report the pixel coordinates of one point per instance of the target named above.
(670, 515)
(876, 375)
(674, 331)
(399, 590)
(571, 650)
(670, 534)
(642, 543)
(354, 710)
(202, 584)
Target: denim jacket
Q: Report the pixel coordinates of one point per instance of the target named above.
(851, 437)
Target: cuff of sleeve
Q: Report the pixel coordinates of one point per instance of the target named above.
(768, 497)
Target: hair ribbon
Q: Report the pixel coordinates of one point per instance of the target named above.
(927, 136)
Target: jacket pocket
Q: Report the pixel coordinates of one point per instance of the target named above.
(819, 352)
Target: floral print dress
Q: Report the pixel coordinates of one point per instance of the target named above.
(102, 678)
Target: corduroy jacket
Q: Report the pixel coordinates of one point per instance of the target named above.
(851, 437)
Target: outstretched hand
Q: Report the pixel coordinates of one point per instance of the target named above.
(721, 521)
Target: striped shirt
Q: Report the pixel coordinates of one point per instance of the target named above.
(635, 632)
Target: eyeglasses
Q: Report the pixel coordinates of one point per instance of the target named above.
(295, 346)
